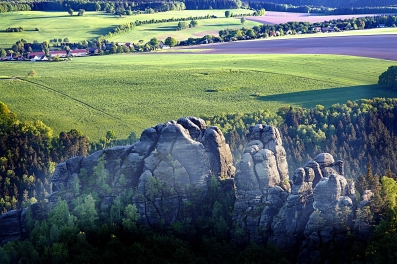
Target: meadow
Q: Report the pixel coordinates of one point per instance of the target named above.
(94, 24)
(130, 92)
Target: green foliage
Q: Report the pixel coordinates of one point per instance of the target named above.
(101, 175)
(32, 73)
(170, 41)
(131, 216)
(60, 215)
(227, 13)
(182, 25)
(85, 212)
(389, 78)
(383, 245)
(193, 23)
(116, 211)
(154, 42)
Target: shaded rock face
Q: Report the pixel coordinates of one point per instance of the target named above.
(11, 226)
(169, 160)
(308, 193)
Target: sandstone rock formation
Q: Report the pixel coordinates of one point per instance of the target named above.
(315, 208)
(261, 182)
(174, 161)
(168, 160)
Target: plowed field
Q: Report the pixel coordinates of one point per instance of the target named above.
(373, 46)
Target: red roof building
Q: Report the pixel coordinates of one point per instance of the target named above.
(34, 54)
(60, 53)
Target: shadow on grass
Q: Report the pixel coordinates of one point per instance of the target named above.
(224, 25)
(328, 97)
(41, 17)
(162, 29)
(103, 31)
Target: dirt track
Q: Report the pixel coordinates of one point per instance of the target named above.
(374, 46)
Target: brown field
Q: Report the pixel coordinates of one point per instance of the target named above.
(373, 46)
(284, 17)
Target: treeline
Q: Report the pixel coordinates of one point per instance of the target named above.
(158, 6)
(326, 9)
(335, 25)
(28, 155)
(334, 3)
(358, 132)
(12, 7)
(212, 4)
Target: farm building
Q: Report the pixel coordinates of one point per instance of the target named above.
(60, 53)
(32, 55)
(78, 53)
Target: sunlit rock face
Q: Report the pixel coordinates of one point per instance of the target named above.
(162, 168)
(261, 181)
(298, 214)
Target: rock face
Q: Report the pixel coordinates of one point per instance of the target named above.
(168, 161)
(11, 227)
(174, 161)
(261, 181)
(315, 208)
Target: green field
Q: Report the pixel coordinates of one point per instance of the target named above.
(163, 30)
(94, 24)
(130, 92)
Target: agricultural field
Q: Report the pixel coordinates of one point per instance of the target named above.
(163, 30)
(94, 24)
(272, 17)
(380, 46)
(130, 92)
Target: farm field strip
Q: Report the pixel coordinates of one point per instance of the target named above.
(373, 46)
(163, 30)
(78, 28)
(273, 17)
(145, 89)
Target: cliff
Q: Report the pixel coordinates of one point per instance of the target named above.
(172, 164)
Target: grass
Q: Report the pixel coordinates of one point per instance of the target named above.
(131, 92)
(163, 30)
(78, 28)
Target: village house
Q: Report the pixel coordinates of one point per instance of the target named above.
(35, 55)
(78, 52)
(59, 53)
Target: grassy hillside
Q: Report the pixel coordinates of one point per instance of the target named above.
(92, 24)
(163, 30)
(130, 92)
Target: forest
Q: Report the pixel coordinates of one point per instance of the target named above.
(335, 7)
(362, 133)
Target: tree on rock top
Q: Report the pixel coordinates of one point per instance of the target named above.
(389, 78)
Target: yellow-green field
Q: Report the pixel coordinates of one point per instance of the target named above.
(130, 92)
(94, 24)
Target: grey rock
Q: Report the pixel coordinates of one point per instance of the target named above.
(10, 226)
(219, 154)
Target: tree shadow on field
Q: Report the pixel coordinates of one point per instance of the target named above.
(328, 97)
(162, 29)
(223, 25)
(103, 31)
(41, 17)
